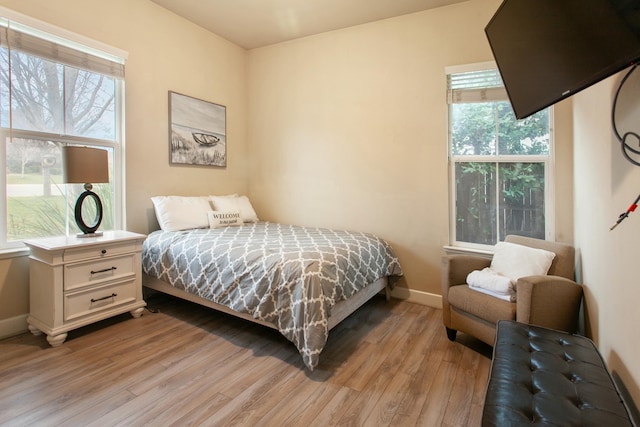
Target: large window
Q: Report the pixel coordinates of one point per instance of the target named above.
(500, 167)
(54, 92)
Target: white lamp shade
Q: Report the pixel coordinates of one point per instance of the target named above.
(85, 165)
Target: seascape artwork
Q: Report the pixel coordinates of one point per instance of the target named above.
(197, 132)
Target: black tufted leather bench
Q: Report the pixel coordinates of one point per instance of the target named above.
(544, 377)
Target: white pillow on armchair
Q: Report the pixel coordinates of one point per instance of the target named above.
(516, 261)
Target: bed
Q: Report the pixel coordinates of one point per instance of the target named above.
(302, 281)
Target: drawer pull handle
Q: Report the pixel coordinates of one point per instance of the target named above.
(103, 271)
(103, 298)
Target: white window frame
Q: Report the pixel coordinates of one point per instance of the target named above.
(548, 160)
(92, 47)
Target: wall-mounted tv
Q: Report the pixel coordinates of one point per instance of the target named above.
(547, 50)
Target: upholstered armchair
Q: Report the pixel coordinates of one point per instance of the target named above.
(551, 300)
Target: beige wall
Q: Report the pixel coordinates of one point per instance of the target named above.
(605, 186)
(165, 53)
(14, 294)
(349, 129)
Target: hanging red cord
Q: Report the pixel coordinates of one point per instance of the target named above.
(626, 213)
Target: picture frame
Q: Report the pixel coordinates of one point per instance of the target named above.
(197, 131)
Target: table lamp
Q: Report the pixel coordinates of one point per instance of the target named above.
(85, 165)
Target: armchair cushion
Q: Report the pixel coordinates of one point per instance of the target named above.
(563, 264)
(467, 300)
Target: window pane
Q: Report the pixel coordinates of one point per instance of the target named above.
(473, 129)
(90, 104)
(35, 195)
(38, 203)
(476, 202)
(38, 103)
(36, 93)
(528, 136)
(522, 199)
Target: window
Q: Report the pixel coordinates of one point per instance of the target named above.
(500, 167)
(54, 92)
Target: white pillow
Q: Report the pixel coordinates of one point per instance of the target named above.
(223, 219)
(235, 203)
(176, 213)
(515, 261)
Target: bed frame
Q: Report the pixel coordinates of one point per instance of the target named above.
(339, 312)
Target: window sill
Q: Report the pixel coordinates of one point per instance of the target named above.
(459, 250)
(16, 252)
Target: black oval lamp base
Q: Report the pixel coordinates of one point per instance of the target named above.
(88, 230)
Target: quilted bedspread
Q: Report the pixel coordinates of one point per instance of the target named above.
(289, 276)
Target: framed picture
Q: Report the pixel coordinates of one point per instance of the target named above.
(197, 131)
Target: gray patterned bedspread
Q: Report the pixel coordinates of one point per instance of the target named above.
(289, 276)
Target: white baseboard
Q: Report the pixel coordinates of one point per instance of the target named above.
(418, 297)
(13, 326)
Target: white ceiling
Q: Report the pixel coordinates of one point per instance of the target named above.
(256, 23)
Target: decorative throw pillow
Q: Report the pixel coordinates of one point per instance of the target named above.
(238, 203)
(223, 219)
(176, 213)
(515, 261)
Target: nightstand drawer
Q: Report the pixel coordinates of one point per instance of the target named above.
(94, 272)
(85, 302)
(99, 251)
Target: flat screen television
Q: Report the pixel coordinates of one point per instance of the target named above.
(547, 50)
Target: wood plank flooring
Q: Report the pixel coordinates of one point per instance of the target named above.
(388, 364)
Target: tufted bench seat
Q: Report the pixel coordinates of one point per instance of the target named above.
(544, 377)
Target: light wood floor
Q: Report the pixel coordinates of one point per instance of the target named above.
(390, 363)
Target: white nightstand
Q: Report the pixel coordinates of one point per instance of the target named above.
(77, 281)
